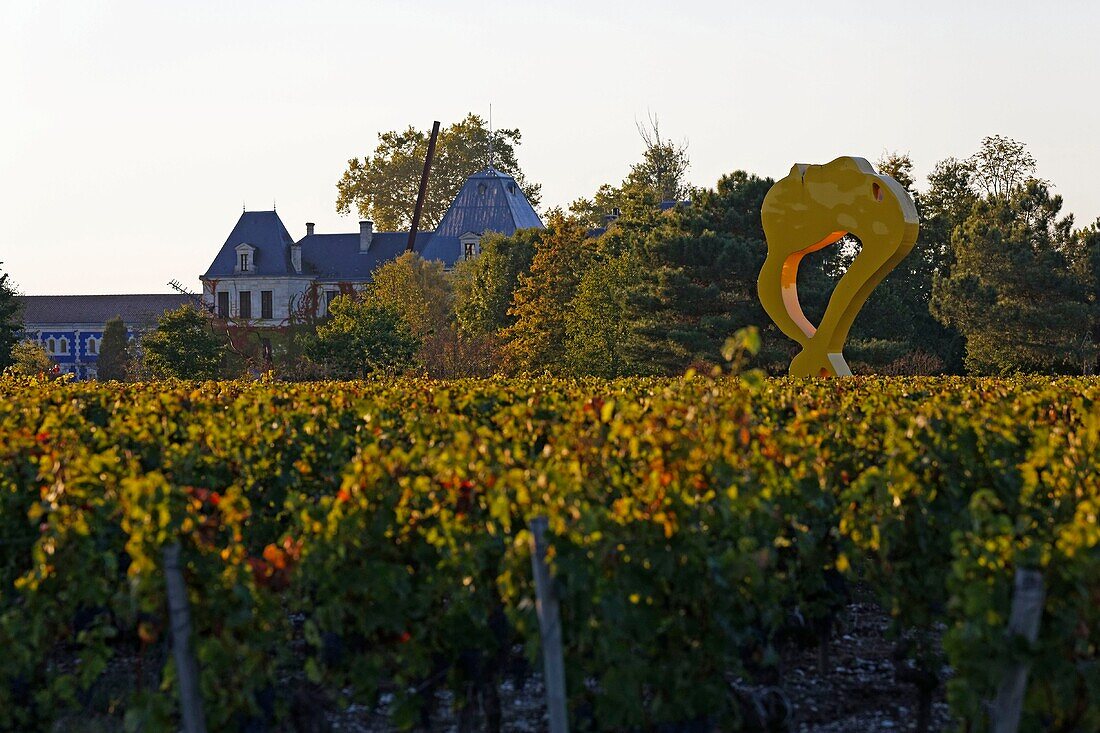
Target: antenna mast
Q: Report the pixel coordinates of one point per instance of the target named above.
(490, 135)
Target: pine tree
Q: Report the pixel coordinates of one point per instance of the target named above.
(1014, 290)
(10, 320)
(696, 281)
(115, 354)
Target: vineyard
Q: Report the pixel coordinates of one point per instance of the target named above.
(368, 541)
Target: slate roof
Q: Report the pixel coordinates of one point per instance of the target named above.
(337, 256)
(135, 310)
(490, 201)
(263, 230)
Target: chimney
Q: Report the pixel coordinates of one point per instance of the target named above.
(296, 255)
(366, 234)
(309, 229)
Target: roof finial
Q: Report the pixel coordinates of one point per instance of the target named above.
(273, 204)
(243, 207)
(490, 136)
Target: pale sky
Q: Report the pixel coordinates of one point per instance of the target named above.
(132, 132)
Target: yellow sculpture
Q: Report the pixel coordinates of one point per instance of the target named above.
(813, 207)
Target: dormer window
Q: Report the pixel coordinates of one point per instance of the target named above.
(246, 259)
(470, 246)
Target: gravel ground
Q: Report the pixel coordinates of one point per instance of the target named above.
(857, 693)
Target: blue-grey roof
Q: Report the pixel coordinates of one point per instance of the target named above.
(337, 257)
(490, 201)
(263, 230)
(96, 310)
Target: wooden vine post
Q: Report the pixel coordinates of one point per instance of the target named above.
(179, 621)
(1027, 609)
(546, 605)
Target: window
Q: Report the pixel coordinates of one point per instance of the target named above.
(265, 304)
(63, 345)
(51, 346)
(223, 304)
(91, 345)
(244, 262)
(245, 310)
(469, 250)
(331, 295)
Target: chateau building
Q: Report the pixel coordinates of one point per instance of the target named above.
(261, 275)
(70, 327)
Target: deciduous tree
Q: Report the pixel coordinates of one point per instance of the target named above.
(599, 336)
(29, 359)
(361, 338)
(182, 346)
(536, 340)
(383, 186)
(658, 177)
(484, 285)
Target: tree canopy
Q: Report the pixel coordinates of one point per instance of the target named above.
(658, 177)
(383, 186)
(1014, 290)
(115, 355)
(361, 338)
(29, 359)
(10, 319)
(182, 346)
(484, 285)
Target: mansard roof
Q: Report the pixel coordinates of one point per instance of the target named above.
(263, 230)
(490, 201)
(44, 310)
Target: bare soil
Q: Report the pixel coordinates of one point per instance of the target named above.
(857, 692)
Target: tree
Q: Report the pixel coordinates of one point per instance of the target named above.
(1087, 259)
(1014, 290)
(423, 295)
(663, 165)
(536, 340)
(416, 288)
(115, 354)
(182, 346)
(1001, 166)
(384, 186)
(895, 332)
(29, 359)
(658, 177)
(361, 338)
(484, 285)
(599, 339)
(10, 320)
(696, 280)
